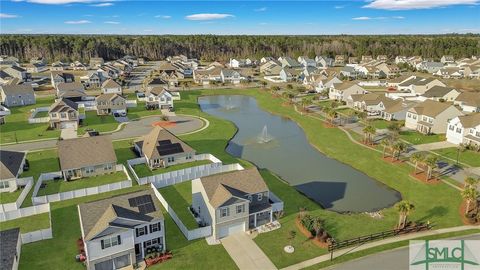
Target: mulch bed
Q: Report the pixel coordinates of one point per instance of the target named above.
(164, 124)
(422, 176)
(391, 159)
(328, 125)
(286, 104)
(309, 235)
(461, 212)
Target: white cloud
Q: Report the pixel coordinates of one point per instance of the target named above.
(8, 16)
(398, 17)
(363, 18)
(163, 16)
(78, 22)
(260, 9)
(59, 2)
(339, 7)
(148, 30)
(416, 4)
(207, 16)
(111, 22)
(102, 5)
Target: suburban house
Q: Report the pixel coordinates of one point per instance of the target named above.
(36, 67)
(58, 77)
(349, 72)
(324, 61)
(111, 87)
(74, 91)
(306, 62)
(10, 248)
(110, 104)
(449, 73)
(63, 114)
(118, 232)
(271, 68)
(431, 116)
(161, 149)
(19, 73)
(289, 62)
(341, 91)
(13, 95)
(230, 76)
(468, 101)
(372, 102)
(158, 98)
(290, 74)
(366, 59)
(440, 93)
(86, 157)
(389, 70)
(419, 85)
(396, 110)
(95, 78)
(447, 59)
(325, 84)
(77, 65)
(339, 60)
(429, 67)
(11, 166)
(472, 71)
(96, 62)
(464, 129)
(239, 63)
(210, 74)
(4, 111)
(233, 202)
(58, 66)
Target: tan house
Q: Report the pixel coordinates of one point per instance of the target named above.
(86, 157)
(468, 101)
(162, 149)
(111, 87)
(440, 93)
(431, 116)
(419, 85)
(63, 114)
(233, 202)
(11, 166)
(111, 104)
(341, 91)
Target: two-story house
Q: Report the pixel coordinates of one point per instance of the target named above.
(230, 76)
(63, 114)
(110, 104)
(13, 95)
(431, 116)
(464, 129)
(111, 87)
(58, 77)
(74, 91)
(341, 91)
(19, 73)
(440, 93)
(11, 167)
(233, 202)
(161, 149)
(419, 85)
(158, 98)
(468, 101)
(86, 157)
(118, 232)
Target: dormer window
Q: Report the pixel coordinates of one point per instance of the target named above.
(259, 196)
(250, 198)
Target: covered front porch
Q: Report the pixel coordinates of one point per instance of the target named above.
(424, 127)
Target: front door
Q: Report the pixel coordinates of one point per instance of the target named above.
(138, 250)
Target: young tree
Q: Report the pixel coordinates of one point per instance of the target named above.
(291, 235)
(417, 158)
(404, 208)
(431, 163)
(470, 195)
(471, 182)
(317, 226)
(368, 132)
(398, 148)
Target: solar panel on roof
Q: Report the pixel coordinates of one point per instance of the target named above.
(144, 203)
(164, 142)
(170, 149)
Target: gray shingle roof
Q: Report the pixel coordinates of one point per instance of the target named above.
(86, 151)
(8, 247)
(15, 89)
(10, 164)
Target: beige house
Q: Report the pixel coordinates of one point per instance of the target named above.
(440, 93)
(110, 104)
(341, 91)
(468, 101)
(431, 116)
(162, 149)
(111, 87)
(11, 166)
(419, 85)
(86, 157)
(233, 202)
(63, 114)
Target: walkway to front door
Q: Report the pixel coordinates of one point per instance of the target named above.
(245, 253)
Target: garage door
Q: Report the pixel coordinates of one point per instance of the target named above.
(227, 230)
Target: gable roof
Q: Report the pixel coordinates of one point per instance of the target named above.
(63, 105)
(154, 144)
(10, 164)
(470, 120)
(8, 247)
(344, 85)
(15, 89)
(108, 97)
(110, 84)
(438, 91)
(418, 81)
(158, 91)
(431, 108)
(63, 87)
(97, 216)
(469, 98)
(222, 187)
(85, 151)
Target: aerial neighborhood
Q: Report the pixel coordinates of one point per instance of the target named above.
(131, 162)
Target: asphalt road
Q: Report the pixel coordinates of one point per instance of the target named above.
(390, 260)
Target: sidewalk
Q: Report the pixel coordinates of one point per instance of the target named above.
(434, 146)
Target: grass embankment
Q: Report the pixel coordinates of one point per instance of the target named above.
(179, 197)
(142, 170)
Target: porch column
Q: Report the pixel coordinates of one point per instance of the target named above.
(142, 251)
(255, 220)
(271, 215)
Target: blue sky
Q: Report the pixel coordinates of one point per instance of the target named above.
(239, 17)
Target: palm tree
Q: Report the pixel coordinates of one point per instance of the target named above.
(317, 226)
(470, 195)
(331, 114)
(394, 129)
(431, 162)
(398, 148)
(404, 208)
(386, 143)
(417, 158)
(471, 182)
(263, 83)
(306, 101)
(368, 132)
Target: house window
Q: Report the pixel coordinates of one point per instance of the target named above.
(110, 242)
(153, 242)
(451, 127)
(107, 167)
(189, 156)
(459, 130)
(240, 209)
(141, 231)
(155, 227)
(414, 117)
(89, 170)
(259, 196)
(171, 159)
(224, 212)
(54, 114)
(63, 115)
(250, 198)
(4, 184)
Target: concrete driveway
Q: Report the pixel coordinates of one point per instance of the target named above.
(68, 133)
(245, 253)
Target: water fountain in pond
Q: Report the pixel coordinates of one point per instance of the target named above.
(264, 137)
(229, 105)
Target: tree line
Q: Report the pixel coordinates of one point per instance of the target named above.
(213, 47)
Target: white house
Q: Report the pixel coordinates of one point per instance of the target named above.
(158, 98)
(431, 116)
(419, 85)
(468, 101)
(341, 91)
(111, 87)
(464, 129)
(120, 231)
(230, 76)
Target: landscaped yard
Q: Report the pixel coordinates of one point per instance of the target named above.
(414, 137)
(383, 124)
(179, 197)
(143, 170)
(101, 123)
(57, 186)
(140, 111)
(468, 157)
(17, 128)
(10, 197)
(41, 114)
(28, 224)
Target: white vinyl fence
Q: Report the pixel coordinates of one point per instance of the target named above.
(67, 195)
(131, 103)
(189, 234)
(28, 183)
(33, 120)
(25, 212)
(37, 235)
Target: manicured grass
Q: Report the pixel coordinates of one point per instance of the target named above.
(140, 111)
(57, 186)
(10, 197)
(383, 124)
(468, 157)
(347, 111)
(414, 137)
(41, 114)
(143, 170)
(101, 123)
(124, 151)
(179, 197)
(27, 224)
(17, 128)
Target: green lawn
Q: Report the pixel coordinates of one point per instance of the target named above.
(27, 224)
(101, 123)
(383, 124)
(468, 157)
(143, 170)
(10, 197)
(41, 114)
(179, 197)
(57, 186)
(140, 111)
(414, 137)
(17, 128)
